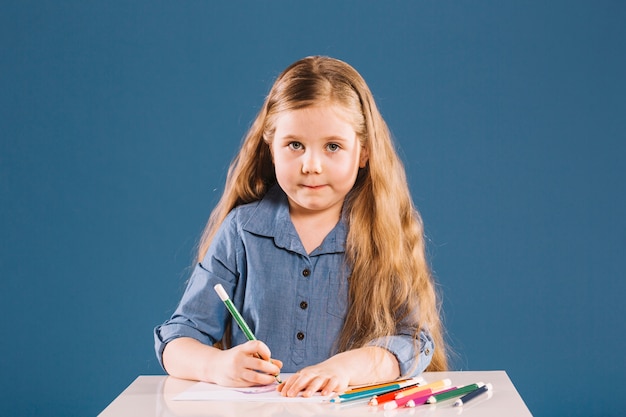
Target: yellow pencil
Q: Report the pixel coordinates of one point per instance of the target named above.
(433, 386)
(381, 385)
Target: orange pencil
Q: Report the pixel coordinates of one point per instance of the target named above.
(381, 385)
(418, 397)
(433, 385)
(381, 399)
(369, 392)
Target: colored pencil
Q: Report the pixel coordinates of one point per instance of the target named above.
(382, 384)
(418, 397)
(453, 393)
(366, 393)
(435, 386)
(219, 289)
(389, 396)
(470, 396)
(420, 400)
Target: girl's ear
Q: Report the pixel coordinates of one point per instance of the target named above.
(363, 157)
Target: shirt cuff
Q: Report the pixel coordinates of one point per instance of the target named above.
(165, 333)
(404, 348)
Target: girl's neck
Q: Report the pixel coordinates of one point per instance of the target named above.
(313, 228)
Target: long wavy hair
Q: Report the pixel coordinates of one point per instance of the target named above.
(390, 280)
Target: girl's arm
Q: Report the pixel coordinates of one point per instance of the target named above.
(364, 365)
(187, 358)
(184, 343)
(384, 359)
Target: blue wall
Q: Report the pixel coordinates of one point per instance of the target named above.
(118, 120)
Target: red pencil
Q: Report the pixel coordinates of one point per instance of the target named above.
(436, 386)
(381, 399)
(416, 398)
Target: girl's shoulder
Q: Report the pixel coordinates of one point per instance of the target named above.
(262, 213)
(273, 201)
(241, 214)
(235, 221)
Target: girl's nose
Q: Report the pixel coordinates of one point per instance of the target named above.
(311, 164)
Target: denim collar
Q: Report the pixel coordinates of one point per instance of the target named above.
(271, 219)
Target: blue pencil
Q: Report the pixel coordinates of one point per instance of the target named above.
(470, 396)
(367, 393)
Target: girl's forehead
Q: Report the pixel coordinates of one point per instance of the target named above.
(323, 110)
(315, 122)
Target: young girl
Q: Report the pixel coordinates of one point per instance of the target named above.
(318, 244)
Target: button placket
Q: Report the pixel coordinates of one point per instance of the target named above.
(302, 315)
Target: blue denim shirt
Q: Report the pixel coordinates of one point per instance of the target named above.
(293, 301)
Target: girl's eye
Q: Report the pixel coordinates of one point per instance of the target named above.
(332, 147)
(296, 146)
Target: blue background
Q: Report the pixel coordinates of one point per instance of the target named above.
(119, 119)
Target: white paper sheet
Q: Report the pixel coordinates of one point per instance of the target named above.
(203, 391)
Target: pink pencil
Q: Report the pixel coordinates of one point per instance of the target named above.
(436, 392)
(418, 397)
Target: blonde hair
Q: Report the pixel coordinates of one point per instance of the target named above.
(390, 280)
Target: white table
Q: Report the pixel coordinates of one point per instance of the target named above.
(150, 396)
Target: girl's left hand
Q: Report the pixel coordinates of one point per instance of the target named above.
(324, 377)
(354, 367)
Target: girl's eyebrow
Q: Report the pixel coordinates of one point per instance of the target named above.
(331, 138)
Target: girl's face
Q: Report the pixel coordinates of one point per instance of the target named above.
(317, 155)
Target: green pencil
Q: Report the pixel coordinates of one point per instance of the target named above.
(453, 393)
(238, 318)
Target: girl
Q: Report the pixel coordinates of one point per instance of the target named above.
(318, 244)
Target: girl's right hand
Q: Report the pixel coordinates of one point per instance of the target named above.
(240, 366)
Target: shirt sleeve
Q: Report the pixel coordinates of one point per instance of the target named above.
(413, 355)
(200, 314)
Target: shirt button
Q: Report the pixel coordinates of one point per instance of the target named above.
(306, 272)
(427, 351)
(300, 336)
(303, 305)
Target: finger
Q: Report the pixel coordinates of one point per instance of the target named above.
(256, 347)
(301, 385)
(314, 386)
(268, 367)
(287, 384)
(283, 388)
(332, 385)
(257, 378)
(260, 350)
